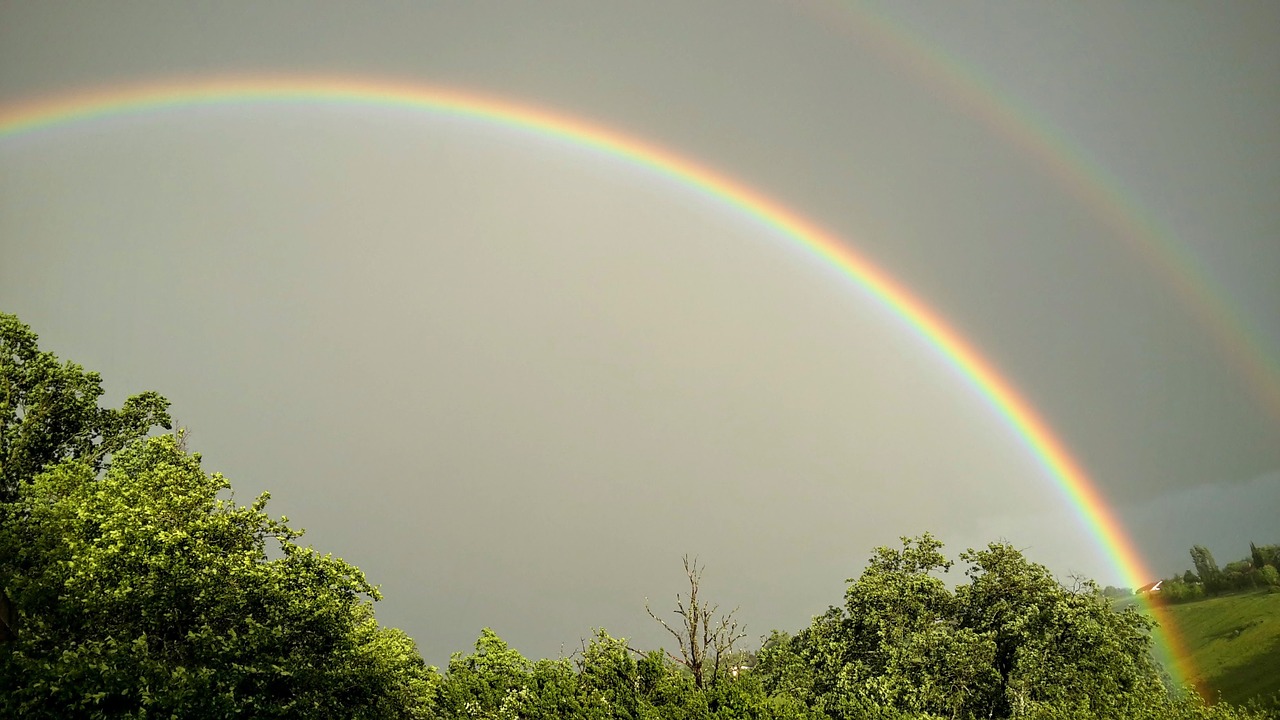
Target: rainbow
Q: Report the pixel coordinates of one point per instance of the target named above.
(1080, 174)
(42, 114)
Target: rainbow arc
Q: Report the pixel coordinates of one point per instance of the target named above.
(1077, 488)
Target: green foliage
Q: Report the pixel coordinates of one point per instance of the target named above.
(787, 677)
(1269, 576)
(1011, 639)
(1054, 644)
(1270, 555)
(488, 683)
(1259, 570)
(144, 594)
(49, 411)
(551, 692)
(608, 680)
(1175, 591)
(1206, 568)
(1185, 707)
(1111, 591)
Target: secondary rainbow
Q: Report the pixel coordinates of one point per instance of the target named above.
(78, 107)
(1080, 173)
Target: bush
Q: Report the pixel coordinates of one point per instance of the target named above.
(1270, 576)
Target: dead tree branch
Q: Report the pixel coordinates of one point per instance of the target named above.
(701, 634)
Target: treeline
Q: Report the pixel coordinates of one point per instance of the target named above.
(1259, 570)
(134, 587)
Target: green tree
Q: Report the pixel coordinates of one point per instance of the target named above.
(1269, 576)
(608, 679)
(1111, 591)
(783, 670)
(1010, 639)
(894, 645)
(1271, 555)
(1054, 644)
(550, 693)
(742, 697)
(1206, 568)
(144, 594)
(491, 682)
(49, 412)
(1239, 575)
(668, 690)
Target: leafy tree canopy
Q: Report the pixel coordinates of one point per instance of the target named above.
(49, 411)
(144, 594)
(1009, 639)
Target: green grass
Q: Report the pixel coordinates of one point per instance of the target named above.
(1234, 641)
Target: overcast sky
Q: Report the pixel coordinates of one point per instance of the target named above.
(514, 381)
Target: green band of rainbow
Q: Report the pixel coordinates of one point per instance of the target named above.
(29, 116)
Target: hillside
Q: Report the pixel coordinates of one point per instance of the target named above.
(1235, 642)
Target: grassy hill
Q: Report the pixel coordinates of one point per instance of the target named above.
(1235, 643)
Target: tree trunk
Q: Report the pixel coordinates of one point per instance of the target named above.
(8, 618)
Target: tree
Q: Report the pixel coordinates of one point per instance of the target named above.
(1271, 555)
(490, 683)
(1269, 576)
(608, 679)
(49, 412)
(142, 593)
(896, 643)
(1206, 568)
(551, 692)
(701, 636)
(1111, 591)
(1009, 640)
(1055, 644)
(782, 669)
(1239, 575)
(786, 677)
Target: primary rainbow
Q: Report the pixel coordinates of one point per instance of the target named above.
(39, 114)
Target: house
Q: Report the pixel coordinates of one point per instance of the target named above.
(1149, 588)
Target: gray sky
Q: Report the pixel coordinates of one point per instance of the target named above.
(514, 381)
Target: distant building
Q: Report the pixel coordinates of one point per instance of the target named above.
(1149, 588)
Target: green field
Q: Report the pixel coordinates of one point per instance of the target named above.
(1234, 642)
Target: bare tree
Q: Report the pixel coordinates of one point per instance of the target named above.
(701, 635)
